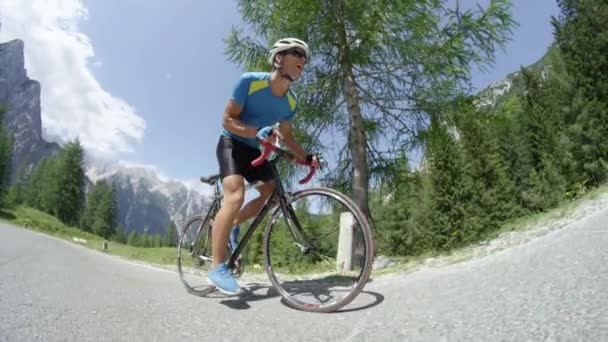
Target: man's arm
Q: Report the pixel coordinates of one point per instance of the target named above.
(232, 123)
(290, 141)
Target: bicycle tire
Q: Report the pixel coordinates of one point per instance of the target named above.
(194, 278)
(366, 264)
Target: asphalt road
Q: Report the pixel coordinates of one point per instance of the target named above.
(553, 288)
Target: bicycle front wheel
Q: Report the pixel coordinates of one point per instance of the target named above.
(318, 250)
(194, 256)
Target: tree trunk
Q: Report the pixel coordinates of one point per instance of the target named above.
(357, 138)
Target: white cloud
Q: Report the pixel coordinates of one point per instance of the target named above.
(74, 104)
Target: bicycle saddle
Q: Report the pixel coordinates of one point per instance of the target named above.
(211, 180)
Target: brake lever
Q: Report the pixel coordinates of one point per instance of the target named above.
(268, 148)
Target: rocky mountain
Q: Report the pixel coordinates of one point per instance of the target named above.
(499, 92)
(146, 201)
(20, 98)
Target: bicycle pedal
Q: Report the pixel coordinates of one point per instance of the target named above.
(238, 268)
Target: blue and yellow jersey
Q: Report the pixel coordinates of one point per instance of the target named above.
(261, 108)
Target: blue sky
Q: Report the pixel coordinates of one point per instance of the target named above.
(145, 82)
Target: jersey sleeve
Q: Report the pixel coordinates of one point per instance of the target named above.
(293, 105)
(241, 89)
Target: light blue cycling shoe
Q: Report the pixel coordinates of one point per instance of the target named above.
(223, 279)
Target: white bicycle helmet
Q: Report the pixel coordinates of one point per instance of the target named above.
(287, 44)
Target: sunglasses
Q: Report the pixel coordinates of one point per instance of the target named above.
(296, 52)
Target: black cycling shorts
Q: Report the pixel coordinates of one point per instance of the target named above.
(235, 158)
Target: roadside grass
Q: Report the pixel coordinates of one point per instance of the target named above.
(42, 222)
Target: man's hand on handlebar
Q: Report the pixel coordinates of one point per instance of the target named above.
(269, 133)
(314, 160)
(267, 137)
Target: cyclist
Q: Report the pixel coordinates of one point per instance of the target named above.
(259, 100)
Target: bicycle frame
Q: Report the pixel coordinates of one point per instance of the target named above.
(279, 194)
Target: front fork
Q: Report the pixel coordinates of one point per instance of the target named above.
(294, 226)
(208, 218)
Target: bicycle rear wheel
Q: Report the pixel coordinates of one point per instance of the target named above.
(194, 256)
(326, 263)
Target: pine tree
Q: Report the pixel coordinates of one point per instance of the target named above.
(144, 239)
(105, 212)
(512, 148)
(485, 172)
(119, 235)
(539, 127)
(71, 183)
(42, 186)
(14, 195)
(557, 86)
(158, 241)
(100, 213)
(170, 238)
(582, 37)
(56, 185)
(17, 192)
(89, 214)
(133, 239)
(447, 190)
(398, 230)
(5, 162)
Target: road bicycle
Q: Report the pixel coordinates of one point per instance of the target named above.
(317, 245)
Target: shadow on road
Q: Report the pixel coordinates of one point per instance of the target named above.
(256, 292)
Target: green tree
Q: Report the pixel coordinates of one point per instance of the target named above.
(170, 238)
(42, 185)
(100, 213)
(582, 37)
(446, 208)
(485, 173)
(157, 241)
(398, 231)
(375, 65)
(119, 235)
(144, 240)
(14, 195)
(56, 185)
(17, 191)
(71, 182)
(105, 212)
(539, 131)
(557, 104)
(512, 148)
(89, 214)
(133, 239)
(5, 162)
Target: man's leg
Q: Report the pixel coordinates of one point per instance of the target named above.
(234, 191)
(255, 205)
